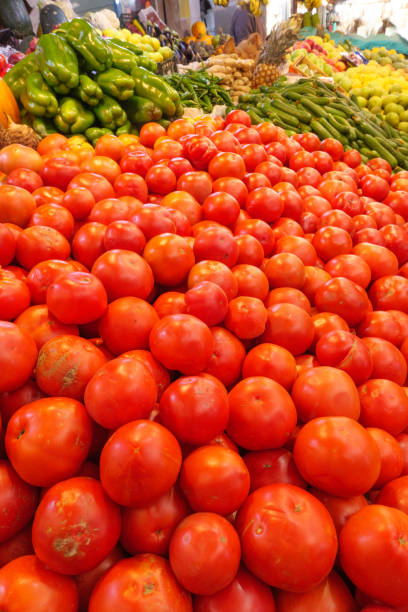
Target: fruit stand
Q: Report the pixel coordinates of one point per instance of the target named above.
(203, 324)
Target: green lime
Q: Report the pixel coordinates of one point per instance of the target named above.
(403, 99)
(390, 99)
(404, 116)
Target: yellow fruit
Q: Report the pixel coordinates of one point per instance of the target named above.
(198, 29)
(206, 39)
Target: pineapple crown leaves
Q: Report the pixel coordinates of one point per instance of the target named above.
(279, 40)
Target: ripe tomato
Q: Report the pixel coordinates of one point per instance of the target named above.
(29, 444)
(155, 467)
(59, 172)
(124, 273)
(246, 317)
(255, 403)
(143, 580)
(208, 302)
(245, 592)
(39, 243)
(170, 258)
(56, 539)
(203, 420)
(289, 326)
(198, 184)
(17, 357)
(214, 479)
(227, 356)
(388, 361)
(272, 466)
(340, 508)
(337, 455)
(370, 536)
(205, 553)
(76, 298)
(343, 350)
(384, 404)
(121, 391)
(150, 527)
(343, 297)
(340, 394)
(170, 303)
(26, 584)
(19, 500)
(277, 508)
(390, 453)
(272, 361)
(332, 595)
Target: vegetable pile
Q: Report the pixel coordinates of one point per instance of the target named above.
(203, 370)
(76, 82)
(200, 89)
(316, 106)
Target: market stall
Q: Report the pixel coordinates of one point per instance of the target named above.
(203, 320)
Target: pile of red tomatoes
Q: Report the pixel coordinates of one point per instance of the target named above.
(204, 345)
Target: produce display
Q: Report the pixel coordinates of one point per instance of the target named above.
(233, 72)
(77, 82)
(204, 338)
(316, 106)
(200, 89)
(314, 52)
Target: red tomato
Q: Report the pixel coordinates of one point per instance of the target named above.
(124, 273)
(343, 350)
(272, 361)
(28, 441)
(271, 171)
(260, 230)
(275, 509)
(17, 357)
(350, 266)
(221, 207)
(333, 147)
(42, 326)
(272, 466)
(331, 595)
(150, 527)
(103, 166)
(390, 453)
(382, 262)
(246, 317)
(208, 302)
(388, 361)
(255, 403)
(338, 389)
(227, 356)
(203, 421)
(155, 467)
(227, 164)
(110, 146)
(238, 116)
(381, 324)
(384, 404)
(214, 479)
(216, 244)
(39, 243)
(370, 536)
(125, 584)
(289, 326)
(57, 542)
(233, 186)
(343, 297)
(245, 592)
(121, 391)
(19, 500)
(26, 583)
(198, 184)
(250, 250)
(337, 455)
(340, 508)
(216, 272)
(66, 365)
(205, 553)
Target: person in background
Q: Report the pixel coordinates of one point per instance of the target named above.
(244, 23)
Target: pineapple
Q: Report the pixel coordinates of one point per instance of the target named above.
(271, 57)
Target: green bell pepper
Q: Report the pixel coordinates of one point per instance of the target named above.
(43, 126)
(38, 98)
(124, 129)
(116, 83)
(94, 133)
(88, 91)
(147, 63)
(110, 114)
(93, 48)
(150, 86)
(127, 45)
(141, 110)
(57, 63)
(122, 58)
(16, 77)
(73, 117)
